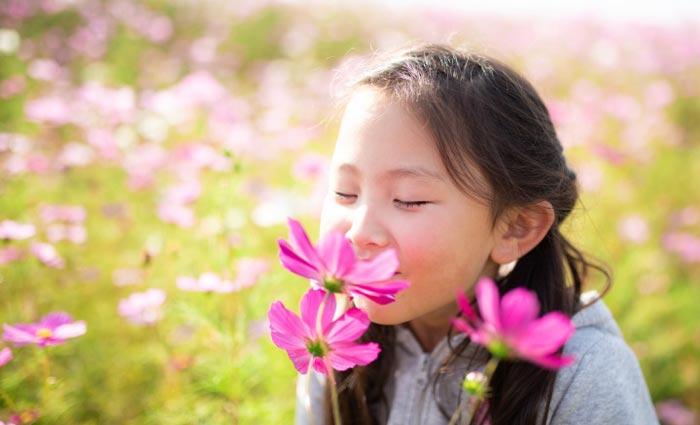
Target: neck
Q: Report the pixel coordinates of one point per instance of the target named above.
(429, 330)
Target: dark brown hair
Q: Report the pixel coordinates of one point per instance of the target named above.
(489, 126)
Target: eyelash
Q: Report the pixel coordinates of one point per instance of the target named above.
(404, 204)
(411, 204)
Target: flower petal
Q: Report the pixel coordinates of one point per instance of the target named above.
(347, 328)
(19, 335)
(466, 307)
(5, 356)
(296, 264)
(320, 365)
(345, 356)
(300, 243)
(56, 319)
(336, 253)
(310, 303)
(545, 335)
(286, 328)
(377, 269)
(70, 330)
(553, 362)
(488, 299)
(300, 357)
(381, 293)
(519, 307)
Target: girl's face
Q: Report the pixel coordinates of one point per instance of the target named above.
(390, 189)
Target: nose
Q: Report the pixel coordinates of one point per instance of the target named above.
(367, 232)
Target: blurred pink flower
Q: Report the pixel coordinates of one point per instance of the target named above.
(127, 277)
(142, 163)
(609, 154)
(673, 412)
(633, 228)
(333, 266)
(310, 166)
(47, 254)
(509, 327)
(104, 142)
(13, 230)
(207, 282)
(5, 356)
(38, 163)
(76, 234)
(75, 154)
(684, 244)
(178, 214)
(52, 110)
(45, 70)
(17, 9)
(53, 329)
(182, 193)
(25, 417)
(688, 216)
(200, 88)
(114, 105)
(159, 29)
(143, 308)
(12, 86)
(10, 254)
(659, 94)
(202, 156)
(64, 213)
(336, 343)
(249, 270)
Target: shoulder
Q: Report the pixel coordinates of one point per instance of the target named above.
(605, 384)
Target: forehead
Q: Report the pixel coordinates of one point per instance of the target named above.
(377, 129)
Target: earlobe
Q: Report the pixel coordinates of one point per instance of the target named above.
(520, 229)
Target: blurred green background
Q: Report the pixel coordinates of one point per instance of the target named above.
(186, 132)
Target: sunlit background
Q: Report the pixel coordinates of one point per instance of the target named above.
(148, 147)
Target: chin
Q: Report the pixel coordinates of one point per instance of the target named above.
(386, 314)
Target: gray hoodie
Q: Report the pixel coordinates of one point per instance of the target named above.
(604, 386)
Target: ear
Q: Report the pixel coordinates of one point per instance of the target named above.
(520, 229)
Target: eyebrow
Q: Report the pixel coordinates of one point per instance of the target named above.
(401, 172)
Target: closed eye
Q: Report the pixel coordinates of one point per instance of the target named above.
(410, 204)
(345, 198)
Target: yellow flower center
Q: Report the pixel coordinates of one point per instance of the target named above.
(44, 333)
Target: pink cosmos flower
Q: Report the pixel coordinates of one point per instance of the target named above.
(13, 230)
(509, 327)
(298, 336)
(53, 329)
(249, 270)
(333, 266)
(143, 308)
(64, 213)
(74, 233)
(47, 254)
(207, 282)
(10, 254)
(179, 214)
(5, 356)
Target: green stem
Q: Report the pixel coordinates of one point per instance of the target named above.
(334, 392)
(337, 420)
(460, 408)
(46, 366)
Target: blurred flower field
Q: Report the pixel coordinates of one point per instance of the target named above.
(150, 152)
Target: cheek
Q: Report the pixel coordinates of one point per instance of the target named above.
(331, 216)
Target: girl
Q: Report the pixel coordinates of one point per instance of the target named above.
(452, 160)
